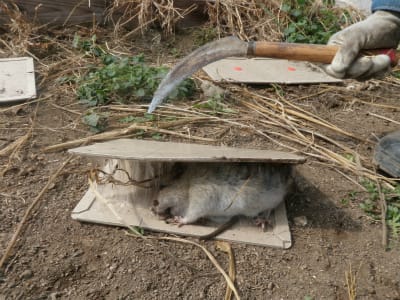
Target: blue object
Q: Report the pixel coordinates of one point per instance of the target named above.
(391, 5)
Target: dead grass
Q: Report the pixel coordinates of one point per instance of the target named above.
(351, 283)
(247, 19)
(140, 15)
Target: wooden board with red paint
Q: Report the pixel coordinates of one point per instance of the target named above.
(266, 70)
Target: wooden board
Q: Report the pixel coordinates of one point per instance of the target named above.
(17, 79)
(182, 152)
(58, 11)
(266, 70)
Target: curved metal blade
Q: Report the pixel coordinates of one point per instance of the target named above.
(210, 52)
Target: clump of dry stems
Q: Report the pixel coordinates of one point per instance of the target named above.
(140, 15)
(246, 19)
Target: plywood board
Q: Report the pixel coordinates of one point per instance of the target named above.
(182, 152)
(58, 11)
(93, 210)
(266, 70)
(17, 79)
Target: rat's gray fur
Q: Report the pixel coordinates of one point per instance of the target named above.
(219, 191)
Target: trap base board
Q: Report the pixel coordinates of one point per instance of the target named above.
(266, 70)
(92, 210)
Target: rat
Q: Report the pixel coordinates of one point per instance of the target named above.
(222, 191)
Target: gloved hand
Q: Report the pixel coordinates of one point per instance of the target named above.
(379, 30)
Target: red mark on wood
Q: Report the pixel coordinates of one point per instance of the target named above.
(291, 69)
(238, 68)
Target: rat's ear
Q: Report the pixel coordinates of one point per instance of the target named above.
(178, 169)
(162, 186)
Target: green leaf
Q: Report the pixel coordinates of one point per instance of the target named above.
(140, 93)
(91, 119)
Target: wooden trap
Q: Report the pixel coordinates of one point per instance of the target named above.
(140, 159)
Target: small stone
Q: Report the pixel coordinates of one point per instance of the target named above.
(113, 267)
(210, 90)
(271, 286)
(54, 296)
(77, 253)
(26, 274)
(300, 221)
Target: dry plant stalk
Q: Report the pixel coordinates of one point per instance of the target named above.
(351, 284)
(105, 136)
(257, 20)
(383, 204)
(143, 14)
(250, 20)
(21, 29)
(226, 247)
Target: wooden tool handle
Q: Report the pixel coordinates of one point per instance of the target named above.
(308, 52)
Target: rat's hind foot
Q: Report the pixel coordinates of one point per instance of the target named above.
(263, 220)
(177, 220)
(184, 220)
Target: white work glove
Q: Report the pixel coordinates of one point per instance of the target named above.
(380, 30)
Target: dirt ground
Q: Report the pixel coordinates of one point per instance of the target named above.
(58, 258)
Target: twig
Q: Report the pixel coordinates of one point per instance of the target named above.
(208, 253)
(383, 118)
(30, 209)
(66, 109)
(15, 107)
(116, 133)
(72, 12)
(382, 201)
(351, 284)
(17, 143)
(307, 117)
(107, 203)
(226, 247)
(351, 180)
(14, 147)
(354, 99)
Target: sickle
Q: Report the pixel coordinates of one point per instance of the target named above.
(232, 46)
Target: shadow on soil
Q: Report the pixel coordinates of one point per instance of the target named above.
(320, 212)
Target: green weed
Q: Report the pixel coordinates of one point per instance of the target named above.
(134, 119)
(89, 46)
(396, 73)
(125, 80)
(371, 205)
(308, 24)
(96, 121)
(121, 79)
(204, 35)
(215, 106)
(350, 157)
(351, 196)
